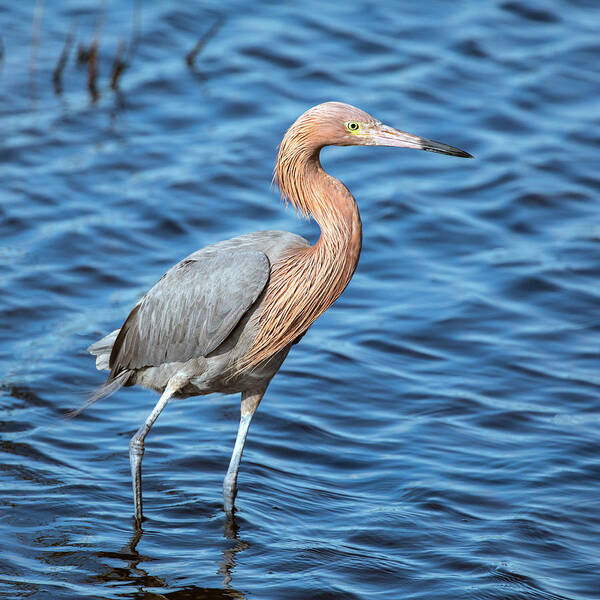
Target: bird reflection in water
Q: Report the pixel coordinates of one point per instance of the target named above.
(136, 576)
(228, 563)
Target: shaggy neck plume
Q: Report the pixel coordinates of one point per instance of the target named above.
(307, 281)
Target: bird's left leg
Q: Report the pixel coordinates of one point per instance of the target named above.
(250, 402)
(136, 444)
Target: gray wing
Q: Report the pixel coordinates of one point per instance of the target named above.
(191, 310)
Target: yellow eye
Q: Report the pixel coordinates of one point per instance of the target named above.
(352, 126)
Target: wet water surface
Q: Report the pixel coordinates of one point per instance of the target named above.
(435, 434)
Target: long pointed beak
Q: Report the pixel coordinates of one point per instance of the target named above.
(388, 136)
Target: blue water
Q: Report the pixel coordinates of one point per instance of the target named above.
(435, 434)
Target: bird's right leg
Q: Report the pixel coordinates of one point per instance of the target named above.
(250, 402)
(136, 445)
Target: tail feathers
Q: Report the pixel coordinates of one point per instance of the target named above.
(103, 362)
(102, 349)
(106, 389)
(104, 344)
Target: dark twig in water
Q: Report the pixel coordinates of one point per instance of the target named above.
(93, 70)
(120, 63)
(62, 61)
(92, 57)
(191, 55)
(38, 13)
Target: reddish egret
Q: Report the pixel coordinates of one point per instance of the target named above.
(225, 317)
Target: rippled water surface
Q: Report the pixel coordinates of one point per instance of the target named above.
(435, 434)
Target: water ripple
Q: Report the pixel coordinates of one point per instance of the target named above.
(435, 433)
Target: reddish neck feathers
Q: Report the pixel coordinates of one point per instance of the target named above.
(308, 280)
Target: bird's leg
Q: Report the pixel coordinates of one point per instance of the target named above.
(250, 402)
(136, 445)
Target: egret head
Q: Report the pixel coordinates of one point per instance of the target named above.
(339, 124)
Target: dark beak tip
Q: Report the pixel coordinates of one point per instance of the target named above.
(432, 146)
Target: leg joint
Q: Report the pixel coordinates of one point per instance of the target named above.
(136, 446)
(250, 402)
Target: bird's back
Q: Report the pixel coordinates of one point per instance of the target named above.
(199, 317)
(272, 243)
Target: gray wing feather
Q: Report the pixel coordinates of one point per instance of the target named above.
(191, 310)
